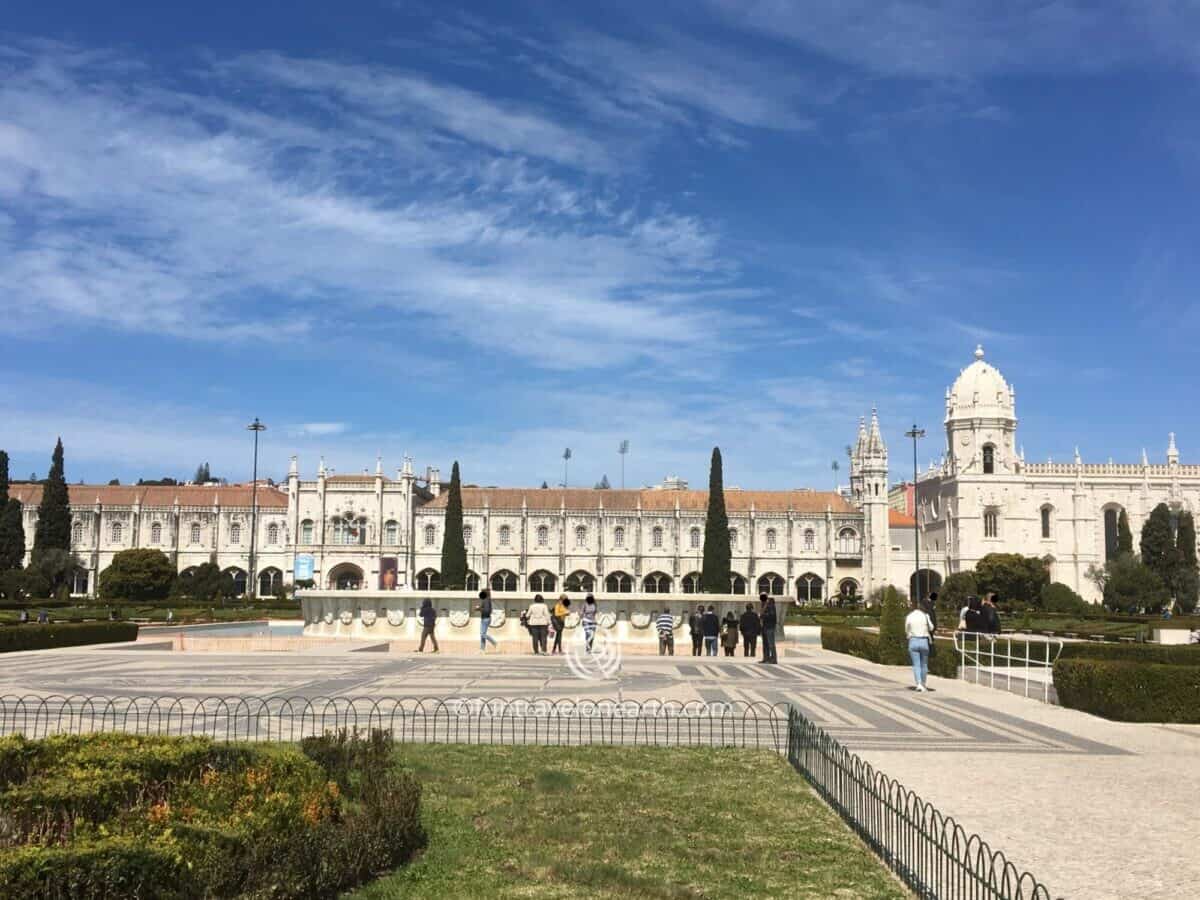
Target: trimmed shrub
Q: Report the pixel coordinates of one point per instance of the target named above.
(1163, 654)
(41, 637)
(1058, 598)
(865, 645)
(893, 645)
(139, 575)
(1129, 691)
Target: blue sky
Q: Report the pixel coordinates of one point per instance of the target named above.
(489, 232)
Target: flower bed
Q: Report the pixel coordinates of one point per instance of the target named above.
(115, 815)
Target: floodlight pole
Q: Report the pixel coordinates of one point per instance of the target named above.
(252, 588)
(916, 434)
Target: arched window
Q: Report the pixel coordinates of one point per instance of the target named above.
(848, 541)
(618, 583)
(270, 580)
(810, 539)
(542, 582)
(991, 524)
(79, 581)
(580, 536)
(543, 536)
(505, 538)
(235, 533)
(391, 532)
(272, 534)
(1046, 531)
(810, 588)
(156, 533)
(691, 583)
(340, 532)
(771, 538)
(771, 584)
(430, 535)
(194, 535)
(346, 577)
(468, 532)
(848, 589)
(429, 580)
(115, 532)
(504, 580)
(239, 580)
(989, 459)
(619, 536)
(733, 536)
(472, 581)
(656, 536)
(306, 531)
(737, 584)
(580, 582)
(657, 583)
(1112, 528)
(77, 535)
(694, 538)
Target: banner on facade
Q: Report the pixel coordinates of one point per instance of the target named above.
(304, 567)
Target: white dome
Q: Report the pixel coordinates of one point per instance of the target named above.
(980, 392)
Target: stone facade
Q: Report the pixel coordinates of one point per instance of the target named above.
(985, 498)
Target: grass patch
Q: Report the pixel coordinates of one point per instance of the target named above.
(540, 822)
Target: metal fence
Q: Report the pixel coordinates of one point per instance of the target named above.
(929, 851)
(1018, 665)
(483, 720)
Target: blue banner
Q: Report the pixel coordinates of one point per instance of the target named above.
(304, 567)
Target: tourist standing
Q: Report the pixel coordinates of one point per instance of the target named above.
(972, 618)
(428, 621)
(666, 633)
(750, 628)
(919, 631)
(712, 631)
(538, 618)
(588, 620)
(696, 627)
(931, 609)
(561, 608)
(485, 620)
(729, 633)
(991, 615)
(769, 622)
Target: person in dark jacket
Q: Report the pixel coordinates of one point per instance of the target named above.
(428, 620)
(696, 627)
(750, 627)
(972, 619)
(930, 607)
(991, 615)
(712, 630)
(768, 629)
(729, 632)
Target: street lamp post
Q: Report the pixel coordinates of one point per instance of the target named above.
(255, 426)
(916, 434)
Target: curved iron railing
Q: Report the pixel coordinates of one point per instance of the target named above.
(929, 851)
(483, 720)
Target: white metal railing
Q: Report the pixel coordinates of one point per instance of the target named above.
(1001, 660)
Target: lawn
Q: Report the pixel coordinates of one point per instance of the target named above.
(565, 822)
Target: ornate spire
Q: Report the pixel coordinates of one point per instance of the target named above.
(875, 441)
(1172, 450)
(979, 351)
(861, 444)
(1145, 459)
(321, 468)
(293, 467)
(379, 464)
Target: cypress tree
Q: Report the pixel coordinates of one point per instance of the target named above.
(1124, 535)
(454, 548)
(54, 514)
(12, 531)
(1158, 544)
(714, 579)
(1187, 578)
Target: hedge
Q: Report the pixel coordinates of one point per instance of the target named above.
(865, 645)
(1130, 691)
(119, 816)
(41, 637)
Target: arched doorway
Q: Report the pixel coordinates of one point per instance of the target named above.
(657, 583)
(345, 577)
(847, 591)
(581, 581)
(238, 576)
(771, 584)
(691, 583)
(930, 581)
(504, 580)
(737, 584)
(618, 583)
(542, 581)
(270, 580)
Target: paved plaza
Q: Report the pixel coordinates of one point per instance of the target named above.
(1095, 809)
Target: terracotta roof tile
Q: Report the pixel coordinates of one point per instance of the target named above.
(897, 519)
(586, 498)
(85, 495)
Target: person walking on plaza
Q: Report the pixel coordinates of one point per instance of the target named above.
(666, 633)
(561, 608)
(696, 627)
(428, 620)
(485, 620)
(712, 630)
(769, 621)
(588, 620)
(538, 618)
(750, 627)
(729, 633)
(919, 630)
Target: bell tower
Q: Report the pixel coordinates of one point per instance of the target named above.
(870, 482)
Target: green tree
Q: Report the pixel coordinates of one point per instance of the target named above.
(1012, 576)
(1187, 574)
(53, 531)
(1124, 535)
(1058, 598)
(893, 645)
(48, 573)
(714, 577)
(12, 530)
(205, 584)
(602, 484)
(454, 548)
(956, 589)
(1131, 586)
(1158, 544)
(203, 474)
(138, 576)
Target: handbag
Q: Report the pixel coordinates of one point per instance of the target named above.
(932, 642)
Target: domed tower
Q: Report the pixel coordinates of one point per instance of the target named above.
(981, 422)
